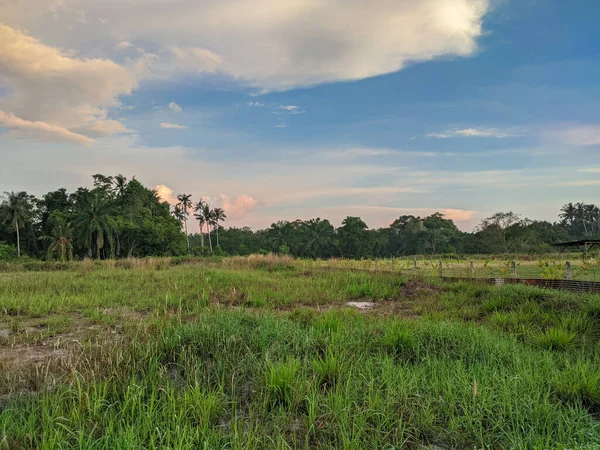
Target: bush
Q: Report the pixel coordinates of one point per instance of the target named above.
(7, 252)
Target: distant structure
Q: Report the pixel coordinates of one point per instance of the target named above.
(585, 245)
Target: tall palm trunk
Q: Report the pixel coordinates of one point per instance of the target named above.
(209, 239)
(202, 235)
(187, 237)
(217, 235)
(18, 242)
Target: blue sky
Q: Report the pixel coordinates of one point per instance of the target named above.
(297, 109)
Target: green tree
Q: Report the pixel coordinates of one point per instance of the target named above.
(319, 238)
(16, 210)
(438, 233)
(61, 237)
(94, 226)
(354, 238)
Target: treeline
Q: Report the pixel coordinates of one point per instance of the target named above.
(122, 218)
(410, 235)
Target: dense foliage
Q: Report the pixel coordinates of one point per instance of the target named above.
(121, 218)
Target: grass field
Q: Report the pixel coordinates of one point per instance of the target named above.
(265, 353)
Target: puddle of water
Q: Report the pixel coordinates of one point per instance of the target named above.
(365, 306)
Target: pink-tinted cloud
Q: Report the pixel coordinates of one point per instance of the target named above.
(165, 193)
(238, 208)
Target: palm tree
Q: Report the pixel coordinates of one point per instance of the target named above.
(591, 215)
(61, 241)
(120, 182)
(208, 219)
(320, 235)
(200, 218)
(185, 203)
(279, 233)
(15, 210)
(178, 214)
(219, 216)
(94, 225)
(568, 213)
(581, 215)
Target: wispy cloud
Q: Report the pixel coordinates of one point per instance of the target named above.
(576, 135)
(472, 132)
(365, 152)
(172, 126)
(291, 109)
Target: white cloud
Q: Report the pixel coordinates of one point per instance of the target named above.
(174, 107)
(576, 135)
(49, 86)
(271, 44)
(172, 126)
(256, 104)
(238, 209)
(291, 109)
(41, 131)
(473, 132)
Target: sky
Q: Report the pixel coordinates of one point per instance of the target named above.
(286, 109)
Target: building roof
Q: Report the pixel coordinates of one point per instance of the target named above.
(581, 242)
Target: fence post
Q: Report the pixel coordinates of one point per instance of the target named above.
(393, 262)
(472, 269)
(513, 269)
(415, 266)
(569, 271)
(375, 264)
(440, 269)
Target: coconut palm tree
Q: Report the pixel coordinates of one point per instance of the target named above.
(200, 218)
(218, 216)
(120, 182)
(60, 238)
(582, 215)
(94, 226)
(568, 213)
(185, 203)
(15, 210)
(207, 212)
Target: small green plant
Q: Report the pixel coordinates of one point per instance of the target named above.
(281, 381)
(399, 342)
(555, 339)
(327, 368)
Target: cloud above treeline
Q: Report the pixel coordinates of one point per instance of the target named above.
(67, 71)
(56, 96)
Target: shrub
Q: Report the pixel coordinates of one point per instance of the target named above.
(7, 252)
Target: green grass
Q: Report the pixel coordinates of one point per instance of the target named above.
(192, 356)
